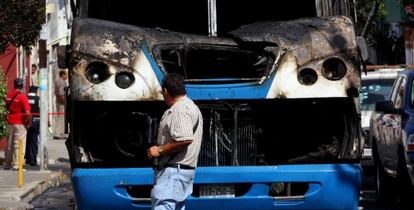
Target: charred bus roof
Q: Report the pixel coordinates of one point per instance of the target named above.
(189, 16)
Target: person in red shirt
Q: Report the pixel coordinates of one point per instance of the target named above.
(18, 120)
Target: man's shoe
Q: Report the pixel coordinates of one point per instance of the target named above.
(16, 169)
(6, 168)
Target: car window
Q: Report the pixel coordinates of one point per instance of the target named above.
(373, 90)
(398, 103)
(394, 91)
(412, 94)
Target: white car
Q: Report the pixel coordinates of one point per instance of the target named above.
(375, 86)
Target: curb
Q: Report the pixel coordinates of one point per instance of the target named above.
(22, 202)
(54, 180)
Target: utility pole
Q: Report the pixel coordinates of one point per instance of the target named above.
(44, 101)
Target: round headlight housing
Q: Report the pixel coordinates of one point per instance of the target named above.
(97, 72)
(334, 69)
(124, 79)
(307, 76)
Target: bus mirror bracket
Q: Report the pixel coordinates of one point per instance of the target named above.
(363, 49)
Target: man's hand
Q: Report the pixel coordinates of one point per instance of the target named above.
(167, 149)
(28, 120)
(153, 152)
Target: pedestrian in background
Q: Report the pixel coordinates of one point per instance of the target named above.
(60, 91)
(34, 77)
(32, 140)
(18, 120)
(179, 140)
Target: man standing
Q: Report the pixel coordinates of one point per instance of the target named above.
(32, 139)
(60, 91)
(179, 139)
(18, 119)
(34, 77)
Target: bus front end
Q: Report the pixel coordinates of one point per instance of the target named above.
(279, 103)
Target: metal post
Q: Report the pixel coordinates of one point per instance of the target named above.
(212, 18)
(21, 65)
(44, 101)
(17, 62)
(20, 176)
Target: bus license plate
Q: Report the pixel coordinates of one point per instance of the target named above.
(217, 191)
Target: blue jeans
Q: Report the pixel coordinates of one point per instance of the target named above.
(171, 187)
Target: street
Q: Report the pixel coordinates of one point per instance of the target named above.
(368, 196)
(58, 198)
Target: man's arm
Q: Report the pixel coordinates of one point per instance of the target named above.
(27, 112)
(28, 119)
(61, 99)
(167, 149)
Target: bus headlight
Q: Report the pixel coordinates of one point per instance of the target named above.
(307, 76)
(97, 72)
(124, 80)
(334, 69)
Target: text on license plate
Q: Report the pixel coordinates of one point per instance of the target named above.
(217, 191)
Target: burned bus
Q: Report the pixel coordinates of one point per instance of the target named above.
(277, 84)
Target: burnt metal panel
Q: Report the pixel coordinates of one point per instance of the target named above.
(133, 49)
(307, 38)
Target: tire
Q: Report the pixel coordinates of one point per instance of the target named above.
(406, 188)
(385, 185)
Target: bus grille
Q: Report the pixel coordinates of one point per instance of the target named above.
(224, 144)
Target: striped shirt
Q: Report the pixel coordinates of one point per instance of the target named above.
(182, 121)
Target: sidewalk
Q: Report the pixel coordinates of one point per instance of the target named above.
(35, 182)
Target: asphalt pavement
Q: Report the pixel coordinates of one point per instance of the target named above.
(35, 181)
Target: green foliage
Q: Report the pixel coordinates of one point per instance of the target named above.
(21, 22)
(389, 48)
(3, 111)
(363, 8)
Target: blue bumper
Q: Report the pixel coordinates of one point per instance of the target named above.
(331, 186)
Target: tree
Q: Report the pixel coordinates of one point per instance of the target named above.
(363, 9)
(3, 111)
(389, 47)
(20, 22)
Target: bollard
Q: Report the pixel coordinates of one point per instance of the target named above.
(20, 181)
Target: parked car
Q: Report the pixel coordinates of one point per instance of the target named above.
(375, 86)
(392, 135)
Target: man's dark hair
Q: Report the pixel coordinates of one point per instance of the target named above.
(62, 72)
(175, 85)
(33, 89)
(18, 83)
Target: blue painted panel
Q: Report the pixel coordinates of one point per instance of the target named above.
(158, 73)
(106, 188)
